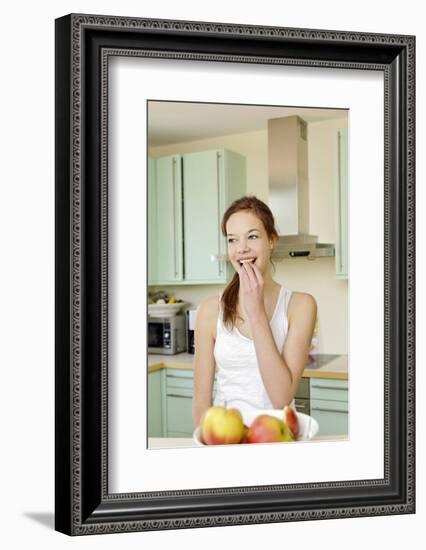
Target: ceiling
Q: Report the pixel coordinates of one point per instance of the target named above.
(174, 122)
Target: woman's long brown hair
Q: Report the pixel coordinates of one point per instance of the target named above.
(250, 203)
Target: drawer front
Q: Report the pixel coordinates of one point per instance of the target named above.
(303, 389)
(332, 416)
(331, 390)
(179, 392)
(180, 373)
(179, 414)
(179, 382)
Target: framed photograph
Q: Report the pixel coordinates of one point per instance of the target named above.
(161, 127)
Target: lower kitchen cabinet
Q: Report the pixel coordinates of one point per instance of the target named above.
(332, 416)
(329, 405)
(170, 393)
(179, 415)
(178, 402)
(179, 390)
(155, 399)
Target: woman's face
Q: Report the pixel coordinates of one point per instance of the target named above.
(248, 241)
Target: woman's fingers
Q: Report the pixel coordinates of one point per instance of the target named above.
(250, 274)
(243, 276)
(258, 274)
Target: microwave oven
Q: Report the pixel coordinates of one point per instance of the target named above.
(167, 335)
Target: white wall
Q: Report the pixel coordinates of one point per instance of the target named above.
(26, 305)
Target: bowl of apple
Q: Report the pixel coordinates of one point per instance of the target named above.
(222, 426)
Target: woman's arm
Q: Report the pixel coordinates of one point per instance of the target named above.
(204, 362)
(280, 373)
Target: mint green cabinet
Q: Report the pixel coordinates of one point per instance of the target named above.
(329, 405)
(152, 221)
(191, 195)
(155, 403)
(342, 244)
(170, 393)
(178, 402)
(212, 180)
(167, 238)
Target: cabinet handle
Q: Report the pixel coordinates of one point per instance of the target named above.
(218, 212)
(218, 257)
(320, 409)
(179, 395)
(174, 216)
(180, 377)
(328, 388)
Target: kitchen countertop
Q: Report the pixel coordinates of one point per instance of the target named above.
(180, 442)
(323, 366)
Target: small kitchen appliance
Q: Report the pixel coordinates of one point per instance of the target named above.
(167, 335)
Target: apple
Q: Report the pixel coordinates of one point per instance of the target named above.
(268, 429)
(244, 439)
(290, 418)
(221, 426)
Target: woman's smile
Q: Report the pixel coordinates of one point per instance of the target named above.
(247, 260)
(248, 241)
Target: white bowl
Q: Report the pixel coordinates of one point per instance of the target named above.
(308, 426)
(165, 310)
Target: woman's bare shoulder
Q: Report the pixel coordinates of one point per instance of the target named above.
(302, 302)
(207, 314)
(209, 307)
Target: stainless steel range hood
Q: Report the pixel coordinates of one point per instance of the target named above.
(289, 189)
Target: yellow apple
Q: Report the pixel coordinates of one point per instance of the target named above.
(221, 426)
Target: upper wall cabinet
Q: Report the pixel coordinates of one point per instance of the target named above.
(152, 220)
(212, 180)
(342, 245)
(167, 238)
(204, 184)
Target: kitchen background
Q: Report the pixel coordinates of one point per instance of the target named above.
(179, 128)
(201, 158)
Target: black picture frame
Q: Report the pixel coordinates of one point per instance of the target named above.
(82, 502)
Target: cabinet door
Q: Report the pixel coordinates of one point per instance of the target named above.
(169, 236)
(203, 186)
(152, 222)
(329, 389)
(179, 415)
(155, 398)
(332, 416)
(212, 180)
(329, 405)
(179, 392)
(342, 248)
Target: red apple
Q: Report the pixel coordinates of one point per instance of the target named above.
(290, 418)
(221, 426)
(268, 429)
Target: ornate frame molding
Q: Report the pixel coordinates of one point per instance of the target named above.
(85, 507)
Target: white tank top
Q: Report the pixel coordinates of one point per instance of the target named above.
(238, 380)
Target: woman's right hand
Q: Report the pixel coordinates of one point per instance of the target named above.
(251, 287)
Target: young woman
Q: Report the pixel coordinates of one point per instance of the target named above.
(256, 334)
